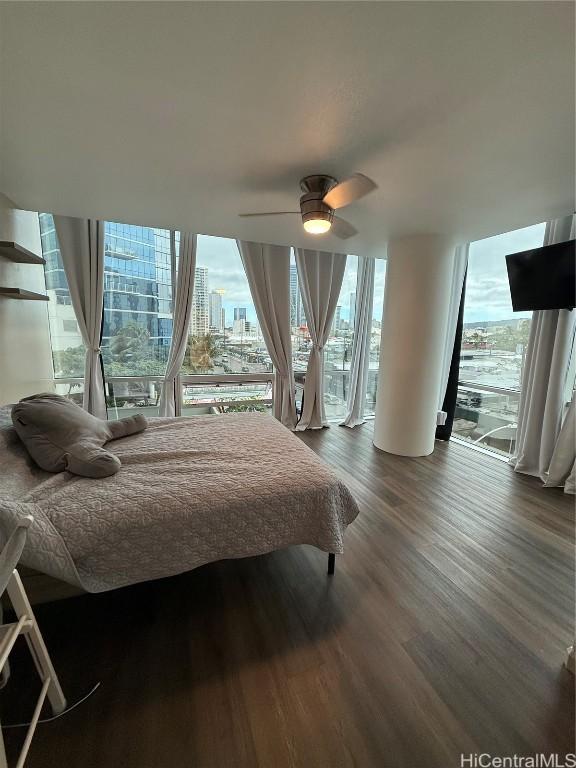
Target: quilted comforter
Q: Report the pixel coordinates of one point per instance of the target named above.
(190, 491)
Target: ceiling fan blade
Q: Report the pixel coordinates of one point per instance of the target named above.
(342, 229)
(269, 213)
(349, 190)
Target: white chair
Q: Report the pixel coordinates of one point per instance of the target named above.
(26, 625)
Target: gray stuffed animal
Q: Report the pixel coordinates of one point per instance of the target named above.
(59, 435)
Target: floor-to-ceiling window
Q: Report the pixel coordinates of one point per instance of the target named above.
(68, 353)
(338, 351)
(67, 349)
(226, 365)
(137, 320)
(301, 343)
(375, 333)
(338, 348)
(493, 344)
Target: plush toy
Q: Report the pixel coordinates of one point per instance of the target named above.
(59, 435)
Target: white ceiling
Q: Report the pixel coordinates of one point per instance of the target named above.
(185, 114)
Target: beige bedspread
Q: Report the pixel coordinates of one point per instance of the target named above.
(190, 491)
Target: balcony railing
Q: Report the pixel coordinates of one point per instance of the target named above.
(223, 393)
(195, 394)
(336, 383)
(487, 416)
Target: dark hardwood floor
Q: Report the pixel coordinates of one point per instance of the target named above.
(443, 631)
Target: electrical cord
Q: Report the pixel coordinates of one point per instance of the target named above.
(60, 714)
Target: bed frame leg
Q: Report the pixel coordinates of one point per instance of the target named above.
(331, 563)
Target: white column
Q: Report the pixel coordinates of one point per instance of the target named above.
(414, 322)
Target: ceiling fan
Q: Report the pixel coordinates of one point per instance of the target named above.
(322, 196)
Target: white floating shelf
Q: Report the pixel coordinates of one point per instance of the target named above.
(20, 293)
(18, 253)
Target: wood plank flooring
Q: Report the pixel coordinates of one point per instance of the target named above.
(443, 631)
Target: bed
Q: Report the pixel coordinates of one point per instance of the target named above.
(190, 491)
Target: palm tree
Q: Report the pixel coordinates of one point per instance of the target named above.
(200, 353)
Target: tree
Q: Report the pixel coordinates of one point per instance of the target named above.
(69, 363)
(130, 343)
(200, 353)
(246, 408)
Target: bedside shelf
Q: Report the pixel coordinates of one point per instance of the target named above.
(19, 293)
(18, 253)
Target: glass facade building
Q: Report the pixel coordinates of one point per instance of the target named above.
(138, 284)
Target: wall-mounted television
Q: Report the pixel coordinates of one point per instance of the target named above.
(543, 278)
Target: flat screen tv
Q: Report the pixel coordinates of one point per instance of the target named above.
(544, 278)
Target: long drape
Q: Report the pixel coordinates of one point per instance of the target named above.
(543, 395)
(320, 275)
(81, 244)
(562, 469)
(181, 322)
(267, 269)
(454, 298)
(358, 381)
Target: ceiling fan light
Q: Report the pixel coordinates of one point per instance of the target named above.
(317, 226)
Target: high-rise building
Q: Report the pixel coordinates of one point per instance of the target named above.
(296, 313)
(239, 327)
(239, 313)
(216, 311)
(199, 318)
(337, 322)
(352, 312)
(138, 283)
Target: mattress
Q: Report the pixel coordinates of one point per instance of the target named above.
(190, 491)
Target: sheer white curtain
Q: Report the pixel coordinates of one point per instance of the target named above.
(182, 309)
(267, 269)
(320, 275)
(543, 395)
(455, 295)
(359, 364)
(81, 244)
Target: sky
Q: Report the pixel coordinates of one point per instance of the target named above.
(225, 271)
(487, 291)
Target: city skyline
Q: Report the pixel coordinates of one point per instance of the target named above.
(137, 280)
(222, 258)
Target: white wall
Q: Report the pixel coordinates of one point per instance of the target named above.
(25, 355)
